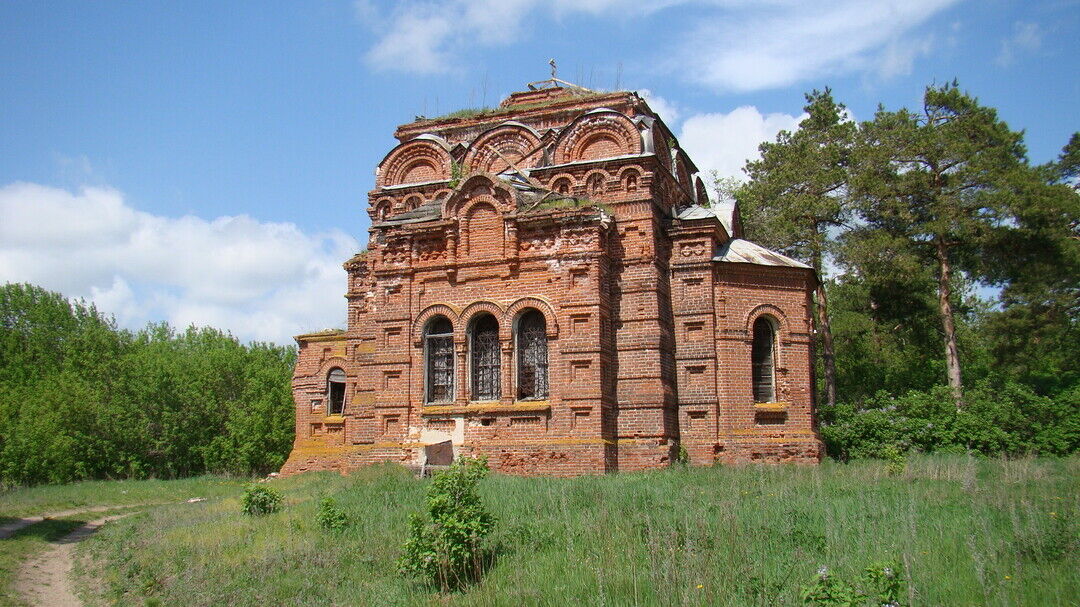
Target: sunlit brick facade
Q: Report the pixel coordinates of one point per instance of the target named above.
(547, 284)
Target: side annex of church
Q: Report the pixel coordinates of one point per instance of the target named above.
(547, 284)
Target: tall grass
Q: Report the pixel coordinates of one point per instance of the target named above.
(966, 531)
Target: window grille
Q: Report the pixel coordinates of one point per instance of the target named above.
(762, 357)
(439, 351)
(532, 356)
(485, 359)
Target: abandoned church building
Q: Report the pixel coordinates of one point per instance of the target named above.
(547, 284)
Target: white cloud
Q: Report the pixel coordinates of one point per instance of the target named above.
(737, 45)
(1026, 37)
(755, 49)
(260, 280)
(666, 109)
(724, 142)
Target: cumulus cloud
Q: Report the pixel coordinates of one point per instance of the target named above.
(734, 45)
(667, 110)
(260, 280)
(724, 142)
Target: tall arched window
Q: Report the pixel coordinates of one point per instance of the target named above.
(532, 356)
(484, 344)
(763, 358)
(439, 360)
(335, 392)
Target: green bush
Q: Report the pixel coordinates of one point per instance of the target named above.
(260, 499)
(446, 547)
(997, 419)
(882, 585)
(331, 517)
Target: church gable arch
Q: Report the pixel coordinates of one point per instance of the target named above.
(415, 161)
(601, 133)
(494, 150)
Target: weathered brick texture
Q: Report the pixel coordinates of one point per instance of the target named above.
(648, 323)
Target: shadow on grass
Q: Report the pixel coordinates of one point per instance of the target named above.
(48, 530)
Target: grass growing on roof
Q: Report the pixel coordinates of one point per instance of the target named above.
(966, 531)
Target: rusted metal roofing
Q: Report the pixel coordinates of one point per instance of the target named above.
(738, 250)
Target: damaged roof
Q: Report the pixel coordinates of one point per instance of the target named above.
(738, 250)
(723, 212)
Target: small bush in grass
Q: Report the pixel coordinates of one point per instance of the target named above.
(882, 586)
(895, 460)
(446, 547)
(331, 517)
(260, 499)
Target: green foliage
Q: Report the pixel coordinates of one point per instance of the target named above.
(446, 547)
(998, 419)
(331, 517)
(81, 399)
(882, 586)
(259, 499)
(457, 172)
(895, 460)
(681, 456)
(828, 589)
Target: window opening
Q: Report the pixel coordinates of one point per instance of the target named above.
(532, 356)
(439, 352)
(485, 359)
(763, 359)
(336, 392)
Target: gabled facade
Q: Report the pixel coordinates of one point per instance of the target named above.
(548, 285)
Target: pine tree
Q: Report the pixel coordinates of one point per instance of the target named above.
(797, 199)
(936, 189)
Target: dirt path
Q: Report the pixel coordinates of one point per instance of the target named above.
(11, 528)
(45, 579)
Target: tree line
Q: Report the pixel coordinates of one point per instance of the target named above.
(83, 399)
(907, 217)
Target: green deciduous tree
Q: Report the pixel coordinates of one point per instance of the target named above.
(797, 199)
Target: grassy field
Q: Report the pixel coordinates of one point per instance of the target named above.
(964, 531)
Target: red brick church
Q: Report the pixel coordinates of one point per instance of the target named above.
(548, 284)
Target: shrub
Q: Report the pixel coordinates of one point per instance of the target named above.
(331, 517)
(997, 419)
(881, 585)
(446, 547)
(260, 499)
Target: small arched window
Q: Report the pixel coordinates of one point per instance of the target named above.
(484, 343)
(532, 356)
(335, 392)
(439, 360)
(763, 359)
(562, 186)
(596, 184)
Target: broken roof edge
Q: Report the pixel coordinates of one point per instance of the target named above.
(739, 250)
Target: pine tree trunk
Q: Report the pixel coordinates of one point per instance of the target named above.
(952, 357)
(828, 359)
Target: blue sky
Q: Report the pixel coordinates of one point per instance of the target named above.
(208, 162)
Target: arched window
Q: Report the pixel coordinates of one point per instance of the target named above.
(439, 360)
(763, 358)
(532, 350)
(335, 392)
(484, 344)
